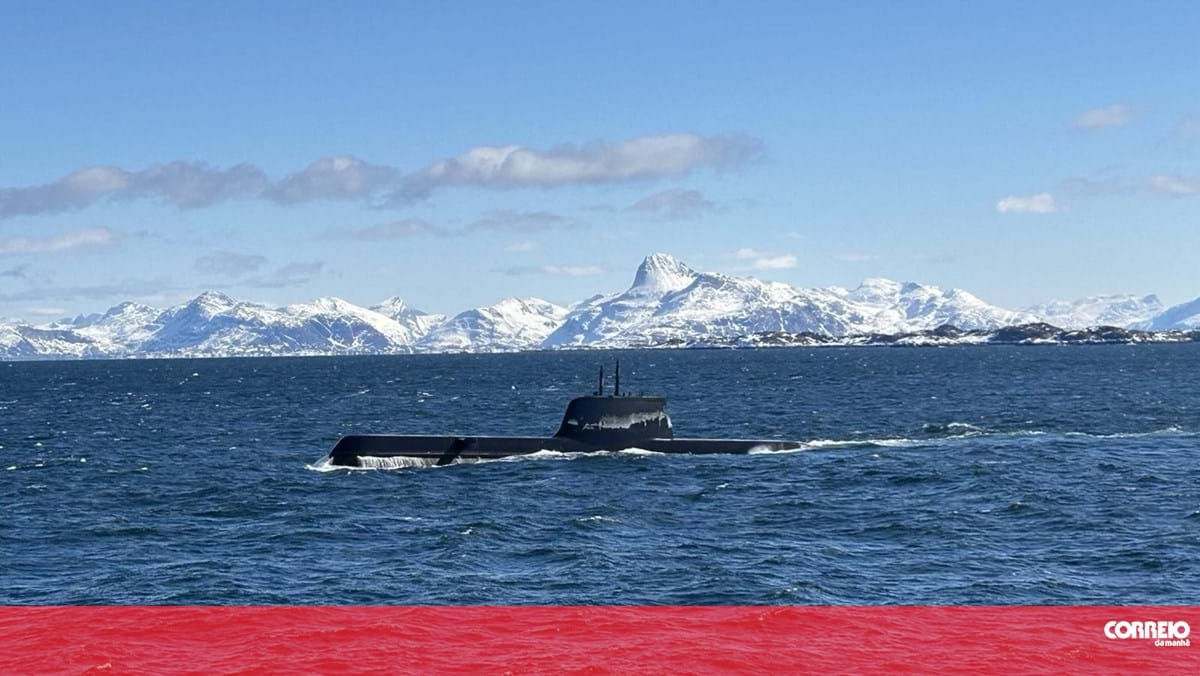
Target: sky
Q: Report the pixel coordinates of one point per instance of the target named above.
(458, 153)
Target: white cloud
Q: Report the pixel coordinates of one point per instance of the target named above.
(401, 229)
(498, 220)
(185, 185)
(554, 270)
(1175, 185)
(1116, 115)
(775, 262)
(518, 221)
(522, 247)
(762, 260)
(46, 311)
(190, 185)
(1041, 203)
(334, 178)
(573, 270)
(91, 237)
(674, 203)
(646, 157)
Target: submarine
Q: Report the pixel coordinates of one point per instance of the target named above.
(596, 422)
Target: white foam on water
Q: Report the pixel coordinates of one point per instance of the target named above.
(371, 463)
(640, 451)
(769, 450)
(596, 519)
(368, 462)
(393, 462)
(323, 465)
(1165, 432)
(537, 455)
(904, 442)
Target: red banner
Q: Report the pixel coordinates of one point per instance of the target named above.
(617, 639)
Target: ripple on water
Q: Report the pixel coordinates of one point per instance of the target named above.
(981, 475)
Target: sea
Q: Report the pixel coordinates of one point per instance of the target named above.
(955, 475)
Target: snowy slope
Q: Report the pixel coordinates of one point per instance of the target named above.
(604, 320)
(896, 307)
(123, 328)
(1123, 310)
(1178, 317)
(418, 323)
(22, 341)
(670, 302)
(512, 324)
(215, 324)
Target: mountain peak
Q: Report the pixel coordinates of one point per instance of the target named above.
(880, 283)
(333, 303)
(663, 272)
(214, 301)
(126, 306)
(391, 304)
(213, 297)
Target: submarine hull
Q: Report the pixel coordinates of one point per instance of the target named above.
(590, 424)
(444, 450)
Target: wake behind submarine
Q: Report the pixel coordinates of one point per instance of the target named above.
(597, 422)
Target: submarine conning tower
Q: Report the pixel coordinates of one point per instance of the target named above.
(615, 419)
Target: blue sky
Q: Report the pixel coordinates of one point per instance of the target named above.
(457, 153)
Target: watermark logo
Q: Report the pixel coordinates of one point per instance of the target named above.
(1164, 633)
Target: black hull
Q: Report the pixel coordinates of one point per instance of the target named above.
(446, 450)
(590, 424)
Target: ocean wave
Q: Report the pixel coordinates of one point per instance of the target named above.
(369, 463)
(1171, 431)
(934, 428)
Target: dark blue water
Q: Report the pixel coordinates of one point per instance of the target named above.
(998, 475)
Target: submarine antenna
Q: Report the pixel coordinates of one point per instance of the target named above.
(617, 381)
(600, 385)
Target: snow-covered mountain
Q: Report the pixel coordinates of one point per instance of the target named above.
(668, 304)
(215, 324)
(1176, 318)
(22, 341)
(901, 307)
(510, 325)
(418, 323)
(671, 302)
(1123, 310)
(121, 327)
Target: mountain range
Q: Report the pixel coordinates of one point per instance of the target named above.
(669, 303)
